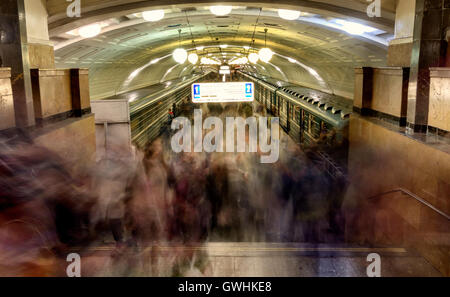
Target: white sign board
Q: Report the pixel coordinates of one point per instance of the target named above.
(223, 92)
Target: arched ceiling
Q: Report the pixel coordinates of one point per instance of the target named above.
(132, 53)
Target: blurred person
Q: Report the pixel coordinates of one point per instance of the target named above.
(113, 176)
(43, 211)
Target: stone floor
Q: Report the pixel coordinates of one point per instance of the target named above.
(254, 260)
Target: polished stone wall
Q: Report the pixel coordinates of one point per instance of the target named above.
(51, 92)
(429, 50)
(399, 54)
(41, 56)
(439, 114)
(389, 91)
(382, 159)
(14, 54)
(7, 117)
(382, 92)
(73, 139)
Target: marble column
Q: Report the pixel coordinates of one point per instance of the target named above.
(14, 54)
(400, 48)
(429, 50)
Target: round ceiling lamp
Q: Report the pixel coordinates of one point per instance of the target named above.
(221, 10)
(153, 15)
(265, 54)
(253, 58)
(289, 15)
(90, 31)
(193, 58)
(180, 55)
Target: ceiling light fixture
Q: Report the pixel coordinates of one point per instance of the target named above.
(153, 15)
(193, 58)
(90, 31)
(221, 10)
(253, 58)
(289, 15)
(180, 55)
(265, 54)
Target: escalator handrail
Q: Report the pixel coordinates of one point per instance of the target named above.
(419, 199)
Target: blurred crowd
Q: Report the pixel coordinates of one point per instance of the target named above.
(150, 213)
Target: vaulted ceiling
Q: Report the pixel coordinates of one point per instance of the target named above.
(131, 53)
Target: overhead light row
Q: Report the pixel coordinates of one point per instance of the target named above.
(180, 56)
(93, 30)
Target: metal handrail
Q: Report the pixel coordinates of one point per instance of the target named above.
(419, 199)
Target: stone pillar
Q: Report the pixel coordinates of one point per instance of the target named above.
(363, 90)
(400, 48)
(81, 100)
(14, 54)
(429, 50)
(7, 118)
(40, 47)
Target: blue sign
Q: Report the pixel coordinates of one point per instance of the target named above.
(223, 92)
(248, 90)
(196, 91)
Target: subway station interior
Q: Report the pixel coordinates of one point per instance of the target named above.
(111, 154)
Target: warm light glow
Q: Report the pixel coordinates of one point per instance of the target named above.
(265, 55)
(180, 55)
(193, 58)
(221, 10)
(240, 61)
(253, 58)
(90, 31)
(153, 15)
(292, 60)
(289, 15)
(209, 61)
(354, 28)
(200, 48)
(223, 45)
